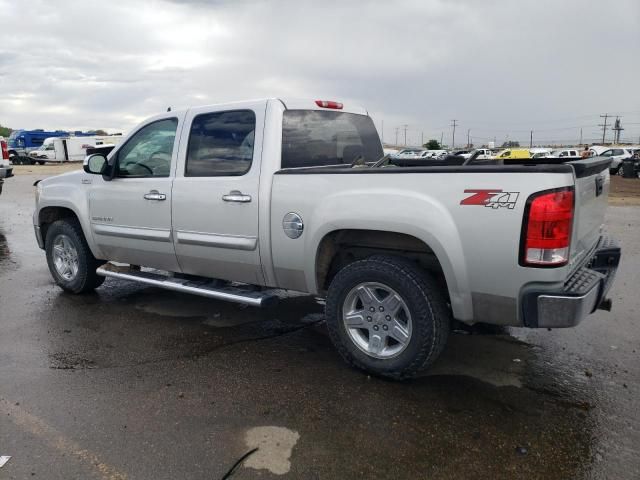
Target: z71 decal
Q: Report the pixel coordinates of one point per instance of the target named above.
(494, 198)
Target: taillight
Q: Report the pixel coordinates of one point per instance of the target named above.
(329, 104)
(546, 234)
(5, 152)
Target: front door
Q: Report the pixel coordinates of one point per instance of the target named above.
(215, 193)
(131, 214)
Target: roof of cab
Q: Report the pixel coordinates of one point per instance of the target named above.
(289, 104)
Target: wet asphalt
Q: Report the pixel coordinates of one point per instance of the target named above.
(139, 383)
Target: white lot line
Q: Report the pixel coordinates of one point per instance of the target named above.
(3, 460)
(274, 445)
(56, 440)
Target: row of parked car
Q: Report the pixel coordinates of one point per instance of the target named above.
(616, 153)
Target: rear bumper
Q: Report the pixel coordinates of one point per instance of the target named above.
(6, 172)
(583, 293)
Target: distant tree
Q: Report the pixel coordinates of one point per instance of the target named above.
(5, 131)
(100, 132)
(432, 144)
(511, 144)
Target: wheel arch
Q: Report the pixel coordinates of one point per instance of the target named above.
(49, 214)
(340, 247)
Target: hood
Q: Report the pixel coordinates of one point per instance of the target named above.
(74, 177)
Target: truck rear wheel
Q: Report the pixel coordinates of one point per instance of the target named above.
(70, 261)
(386, 316)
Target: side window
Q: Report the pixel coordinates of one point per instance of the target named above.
(221, 144)
(608, 153)
(618, 151)
(148, 152)
(573, 153)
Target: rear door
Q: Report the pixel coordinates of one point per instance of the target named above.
(131, 214)
(215, 193)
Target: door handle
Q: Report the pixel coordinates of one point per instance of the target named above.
(236, 196)
(155, 195)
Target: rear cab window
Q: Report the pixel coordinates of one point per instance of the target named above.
(312, 138)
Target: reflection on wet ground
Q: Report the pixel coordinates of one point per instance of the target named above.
(5, 253)
(481, 408)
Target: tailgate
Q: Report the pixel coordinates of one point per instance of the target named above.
(591, 199)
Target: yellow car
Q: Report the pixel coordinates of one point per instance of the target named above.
(513, 154)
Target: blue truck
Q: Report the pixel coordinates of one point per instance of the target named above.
(21, 142)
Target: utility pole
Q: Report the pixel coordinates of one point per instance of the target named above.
(453, 137)
(382, 132)
(397, 130)
(617, 127)
(422, 139)
(468, 138)
(405, 134)
(580, 142)
(441, 138)
(604, 126)
(531, 139)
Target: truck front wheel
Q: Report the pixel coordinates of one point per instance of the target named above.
(70, 261)
(387, 316)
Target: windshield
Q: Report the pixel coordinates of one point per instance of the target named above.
(312, 138)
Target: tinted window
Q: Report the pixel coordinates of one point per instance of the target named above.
(221, 144)
(618, 151)
(312, 138)
(607, 153)
(148, 152)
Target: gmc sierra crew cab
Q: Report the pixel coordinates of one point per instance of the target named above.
(233, 201)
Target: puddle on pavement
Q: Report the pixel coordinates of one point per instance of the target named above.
(499, 360)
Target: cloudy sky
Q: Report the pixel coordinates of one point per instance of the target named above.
(499, 67)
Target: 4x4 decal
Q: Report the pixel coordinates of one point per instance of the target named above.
(494, 198)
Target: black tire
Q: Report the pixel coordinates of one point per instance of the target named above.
(41, 162)
(86, 279)
(424, 299)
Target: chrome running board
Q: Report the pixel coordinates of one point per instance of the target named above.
(202, 286)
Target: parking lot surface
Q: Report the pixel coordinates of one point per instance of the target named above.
(135, 382)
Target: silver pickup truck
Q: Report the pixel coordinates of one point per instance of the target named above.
(233, 201)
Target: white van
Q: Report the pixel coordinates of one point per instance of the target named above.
(70, 149)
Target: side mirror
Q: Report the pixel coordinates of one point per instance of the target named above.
(95, 164)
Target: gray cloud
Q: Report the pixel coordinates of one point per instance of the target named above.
(501, 68)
